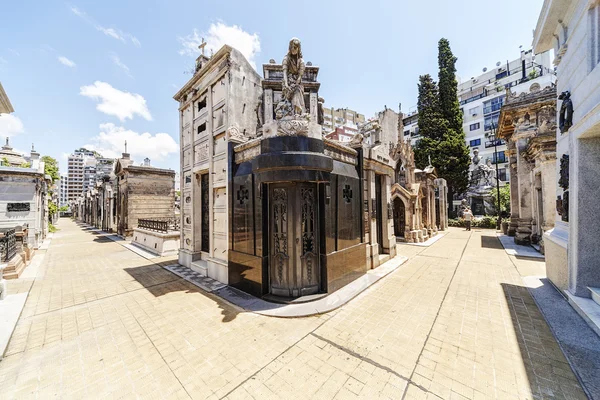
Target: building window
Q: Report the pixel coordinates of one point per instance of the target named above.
(201, 128)
(502, 174)
(493, 105)
(489, 120)
(202, 104)
(474, 127)
(473, 111)
(406, 133)
(594, 32)
(499, 157)
(476, 142)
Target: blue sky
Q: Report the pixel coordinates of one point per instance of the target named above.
(97, 73)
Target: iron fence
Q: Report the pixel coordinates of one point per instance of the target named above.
(159, 224)
(8, 244)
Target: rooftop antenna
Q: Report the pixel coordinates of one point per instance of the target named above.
(429, 156)
(126, 146)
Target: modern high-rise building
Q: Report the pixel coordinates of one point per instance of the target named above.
(62, 186)
(343, 118)
(84, 168)
(482, 97)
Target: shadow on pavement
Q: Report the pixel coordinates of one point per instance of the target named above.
(159, 282)
(491, 242)
(548, 371)
(579, 342)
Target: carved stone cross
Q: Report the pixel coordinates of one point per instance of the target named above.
(347, 193)
(242, 194)
(202, 45)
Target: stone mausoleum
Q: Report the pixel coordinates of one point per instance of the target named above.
(528, 125)
(269, 205)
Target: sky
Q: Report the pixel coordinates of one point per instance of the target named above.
(94, 74)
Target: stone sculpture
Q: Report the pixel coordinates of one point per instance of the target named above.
(293, 69)
(566, 112)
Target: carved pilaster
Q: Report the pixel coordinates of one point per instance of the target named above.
(268, 102)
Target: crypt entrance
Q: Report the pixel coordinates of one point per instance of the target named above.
(399, 218)
(293, 239)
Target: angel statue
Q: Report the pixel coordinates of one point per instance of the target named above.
(293, 69)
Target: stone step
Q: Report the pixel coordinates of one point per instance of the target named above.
(14, 268)
(588, 309)
(200, 266)
(595, 294)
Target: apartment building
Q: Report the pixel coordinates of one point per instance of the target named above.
(84, 168)
(481, 99)
(344, 118)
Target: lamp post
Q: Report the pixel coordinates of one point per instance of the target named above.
(495, 139)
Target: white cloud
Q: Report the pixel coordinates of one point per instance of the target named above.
(117, 61)
(111, 32)
(219, 34)
(14, 51)
(10, 125)
(115, 102)
(65, 61)
(3, 61)
(111, 140)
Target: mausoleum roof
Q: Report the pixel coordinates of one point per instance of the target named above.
(14, 159)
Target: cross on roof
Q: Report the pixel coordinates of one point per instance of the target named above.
(202, 45)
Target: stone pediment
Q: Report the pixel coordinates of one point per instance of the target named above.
(401, 191)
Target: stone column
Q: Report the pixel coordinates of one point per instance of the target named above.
(313, 105)
(525, 186)
(268, 105)
(514, 189)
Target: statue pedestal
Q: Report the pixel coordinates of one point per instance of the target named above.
(481, 200)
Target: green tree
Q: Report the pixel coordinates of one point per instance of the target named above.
(448, 86)
(504, 199)
(52, 209)
(455, 160)
(432, 126)
(5, 162)
(63, 208)
(51, 168)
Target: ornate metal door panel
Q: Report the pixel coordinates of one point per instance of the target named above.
(399, 218)
(279, 264)
(294, 261)
(307, 254)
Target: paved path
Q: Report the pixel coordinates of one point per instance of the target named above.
(455, 321)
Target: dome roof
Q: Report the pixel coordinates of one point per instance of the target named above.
(14, 159)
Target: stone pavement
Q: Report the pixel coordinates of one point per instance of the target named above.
(455, 321)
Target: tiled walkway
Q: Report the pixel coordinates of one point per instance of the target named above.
(455, 321)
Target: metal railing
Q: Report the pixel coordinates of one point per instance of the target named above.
(8, 244)
(159, 224)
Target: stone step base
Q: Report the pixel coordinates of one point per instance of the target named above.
(200, 266)
(15, 267)
(595, 294)
(588, 309)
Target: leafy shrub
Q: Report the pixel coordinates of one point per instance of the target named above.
(486, 222)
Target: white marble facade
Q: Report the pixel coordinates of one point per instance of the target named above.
(571, 27)
(218, 102)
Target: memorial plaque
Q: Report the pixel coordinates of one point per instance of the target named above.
(16, 207)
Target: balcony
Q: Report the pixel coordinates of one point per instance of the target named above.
(492, 108)
(492, 143)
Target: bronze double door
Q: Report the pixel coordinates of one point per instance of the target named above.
(294, 239)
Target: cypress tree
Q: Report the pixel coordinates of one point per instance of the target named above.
(432, 125)
(448, 86)
(454, 166)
